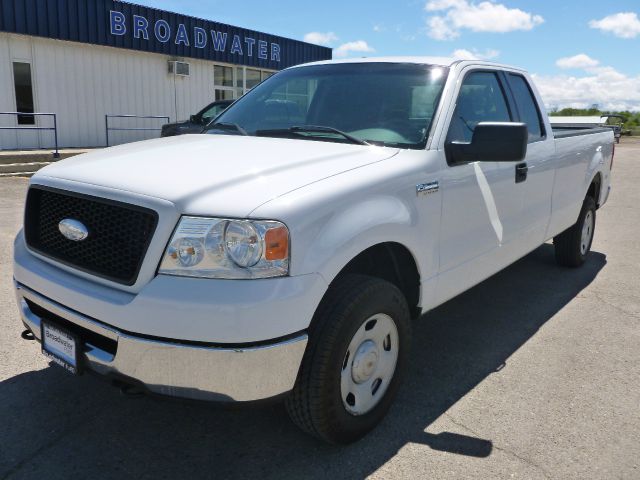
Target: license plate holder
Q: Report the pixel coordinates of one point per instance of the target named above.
(61, 346)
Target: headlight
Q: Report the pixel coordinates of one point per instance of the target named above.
(223, 248)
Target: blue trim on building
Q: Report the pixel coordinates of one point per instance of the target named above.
(121, 24)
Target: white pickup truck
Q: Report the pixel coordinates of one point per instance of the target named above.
(285, 253)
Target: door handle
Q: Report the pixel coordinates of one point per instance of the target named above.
(521, 172)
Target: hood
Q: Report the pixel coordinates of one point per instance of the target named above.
(214, 174)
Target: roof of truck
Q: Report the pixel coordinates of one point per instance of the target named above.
(437, 61)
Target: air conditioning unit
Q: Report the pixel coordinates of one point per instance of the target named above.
(179, 68)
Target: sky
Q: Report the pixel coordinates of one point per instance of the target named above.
(580, 53)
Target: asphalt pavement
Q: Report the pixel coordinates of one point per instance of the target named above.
(535, 373)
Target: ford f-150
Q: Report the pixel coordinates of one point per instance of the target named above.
(284, 253)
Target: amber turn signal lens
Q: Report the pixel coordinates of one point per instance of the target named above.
(277, 243)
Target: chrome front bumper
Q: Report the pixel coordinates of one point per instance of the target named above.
(177, 368)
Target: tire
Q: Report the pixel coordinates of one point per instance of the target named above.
(349, 308)
(573, 245)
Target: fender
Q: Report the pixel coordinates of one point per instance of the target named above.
(598, 167)
(333, 221)
(349, 232)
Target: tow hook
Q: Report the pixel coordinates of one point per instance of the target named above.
(129, 391)
(28, 335)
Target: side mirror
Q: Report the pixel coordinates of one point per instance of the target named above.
(491, 142)
(194, 119)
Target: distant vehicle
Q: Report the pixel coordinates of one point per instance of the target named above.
(616, 127)
(197, 122)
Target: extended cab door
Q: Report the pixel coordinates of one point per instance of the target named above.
(539, 162)
(482, 201)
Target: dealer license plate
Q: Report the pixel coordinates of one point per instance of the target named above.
(60, 346)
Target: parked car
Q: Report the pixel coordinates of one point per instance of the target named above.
(197, 122)
(286, 256)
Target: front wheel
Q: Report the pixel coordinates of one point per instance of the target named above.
(358, 349)
(573, 245)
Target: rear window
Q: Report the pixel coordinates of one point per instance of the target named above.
(527, 107)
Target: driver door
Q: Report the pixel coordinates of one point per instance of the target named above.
(481, 202)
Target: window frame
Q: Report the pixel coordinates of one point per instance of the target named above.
(507, 80)
(507, 100)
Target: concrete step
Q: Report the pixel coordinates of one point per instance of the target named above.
(27, 162)
(16, 174)
(11, 169)
(27, 156)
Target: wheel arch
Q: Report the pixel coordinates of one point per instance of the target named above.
(595, 187)
(391, 261)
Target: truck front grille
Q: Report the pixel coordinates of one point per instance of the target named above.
(119, 233)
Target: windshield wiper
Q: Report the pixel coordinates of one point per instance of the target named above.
(310, 129)
(227, 126)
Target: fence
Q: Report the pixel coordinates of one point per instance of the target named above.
(111, 129)
(56, 154)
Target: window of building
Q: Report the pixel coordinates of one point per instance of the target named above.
(223, 76)
(233, 82)
(225, 87)
(252, 78)
(24, 92)
(298, 91)
(527, 107)
(481, 99)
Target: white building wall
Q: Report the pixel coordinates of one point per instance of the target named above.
(82, 83)
(7, 98)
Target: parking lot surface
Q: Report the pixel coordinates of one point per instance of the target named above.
(535, 373)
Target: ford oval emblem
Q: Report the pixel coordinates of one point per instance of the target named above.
(73, 229)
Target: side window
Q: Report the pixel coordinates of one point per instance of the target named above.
(481, 99)
(212, 113)
(527, 106)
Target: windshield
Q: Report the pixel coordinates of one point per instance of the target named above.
(389, 104)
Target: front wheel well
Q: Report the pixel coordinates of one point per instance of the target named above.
(394, 263)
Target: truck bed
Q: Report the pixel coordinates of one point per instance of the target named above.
(564, 131)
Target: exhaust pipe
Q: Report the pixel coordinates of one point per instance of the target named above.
(28, 335)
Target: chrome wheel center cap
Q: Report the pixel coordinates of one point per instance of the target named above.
(365, 362)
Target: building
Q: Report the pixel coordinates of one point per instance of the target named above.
(85, 59)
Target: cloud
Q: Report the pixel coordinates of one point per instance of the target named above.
(359, 46)
(487, 16)
(440, 29)
(320, 38)
(623, 25)
(605, 86)
(581, 61)
(473, 54)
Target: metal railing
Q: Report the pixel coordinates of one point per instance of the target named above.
(56, 154)
(111, 129)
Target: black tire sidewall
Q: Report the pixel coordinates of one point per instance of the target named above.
(382, 297)
(567, 244)
(588, 205)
